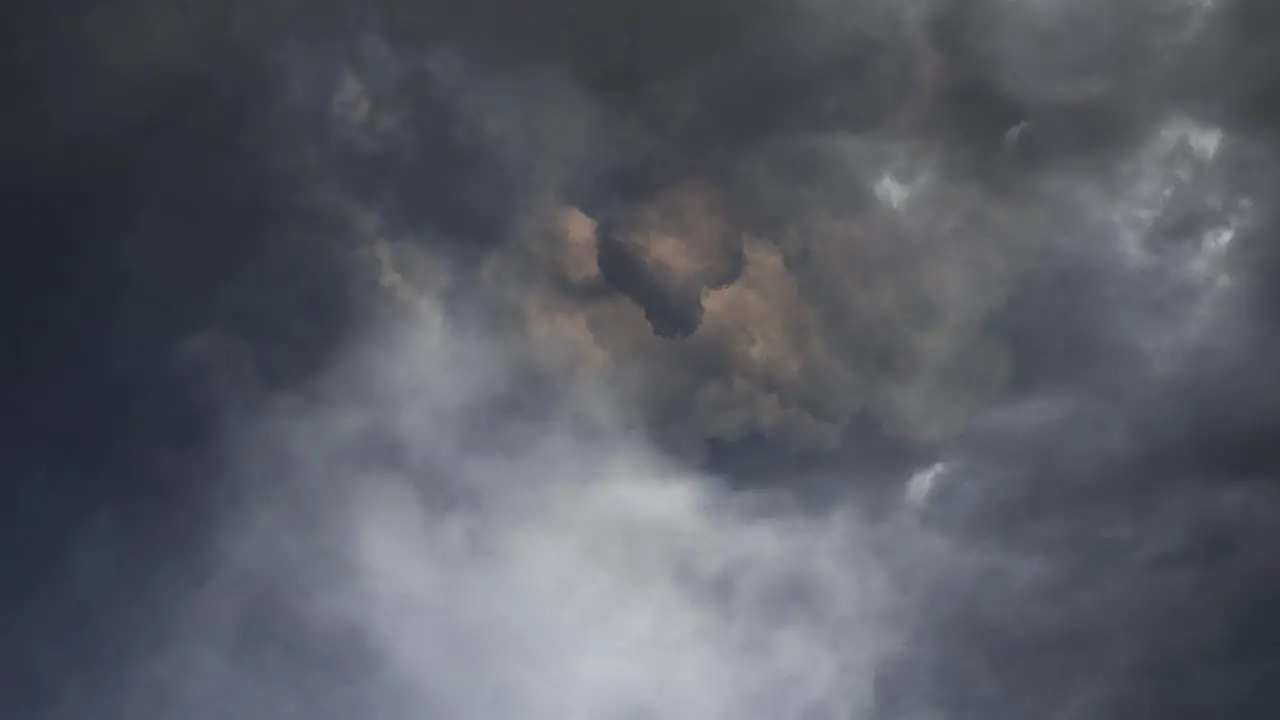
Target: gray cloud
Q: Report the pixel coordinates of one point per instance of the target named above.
(797, 266)
(556, 565)
(421, 335)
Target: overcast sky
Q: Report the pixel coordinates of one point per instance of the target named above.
(758, 360)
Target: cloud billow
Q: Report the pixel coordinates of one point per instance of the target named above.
(644, 359)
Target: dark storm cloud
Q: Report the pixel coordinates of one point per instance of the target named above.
(1022, 239)
(1029, 240)
(879, 177)
(725, 179)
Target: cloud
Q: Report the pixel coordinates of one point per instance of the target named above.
(557, 565)
(407, 344)
(786, 294)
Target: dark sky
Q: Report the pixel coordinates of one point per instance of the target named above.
(810, 246)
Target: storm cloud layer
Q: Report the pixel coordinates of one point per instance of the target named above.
(801, 359)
